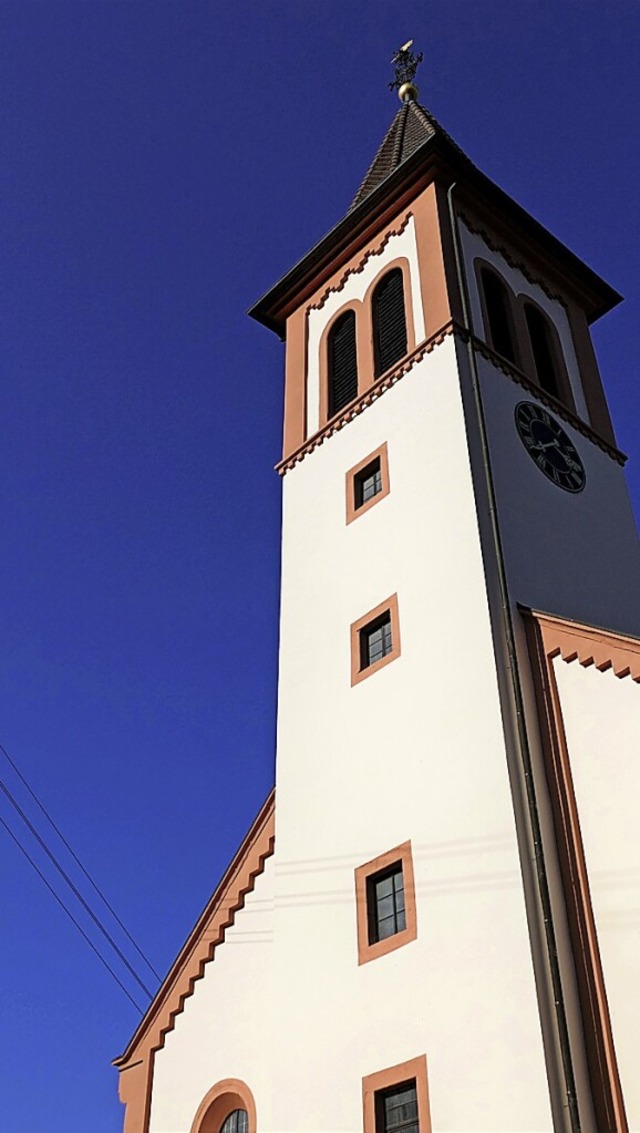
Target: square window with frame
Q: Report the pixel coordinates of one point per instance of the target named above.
(386, 914)
(396, 1100)
(397, 1109)
(367, 483)
(385, 903)
(375, 640)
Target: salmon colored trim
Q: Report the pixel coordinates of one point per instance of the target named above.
(221, 1100)
(589, 645)
(372, 394)
(354, 512)
(550, 637)
(134, 1090)
(436, 259)
(413, 1070)
(358, 263)
(136, 1063)
(358, 674)
(400, 855)
(402, 263)
(295, 385)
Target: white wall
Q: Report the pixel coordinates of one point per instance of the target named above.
(225, 1028)
(415, 751)
(602, 721)
(403, 244)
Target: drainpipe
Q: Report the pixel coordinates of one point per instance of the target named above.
(541, 906)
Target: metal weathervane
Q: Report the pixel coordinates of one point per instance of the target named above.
(405, 64)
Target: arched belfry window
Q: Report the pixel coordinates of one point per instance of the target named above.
(342, 362)
(544, 353)
(389, 321)
(499, 315)
(236, 1122)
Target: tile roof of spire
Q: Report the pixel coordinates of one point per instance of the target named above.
(411, 126)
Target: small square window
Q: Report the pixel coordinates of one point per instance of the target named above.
(385, 903)
(375, 640)
(396, 1100)
(367, 483)
(397, 1109)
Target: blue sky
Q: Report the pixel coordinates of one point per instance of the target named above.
(163, 163)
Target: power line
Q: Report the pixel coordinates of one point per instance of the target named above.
(69, 914)
(77, 860)
(96, 920)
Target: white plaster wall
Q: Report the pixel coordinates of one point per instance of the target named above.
(474, 247)
(602, 721)
(225, 1030)
(403, 244)
(416, 752)
(574, 555)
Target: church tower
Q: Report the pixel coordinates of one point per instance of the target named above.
(439, 920)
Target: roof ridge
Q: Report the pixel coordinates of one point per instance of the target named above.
(411, 126)
(396, 156)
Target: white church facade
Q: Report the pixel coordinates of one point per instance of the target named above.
(439, 925)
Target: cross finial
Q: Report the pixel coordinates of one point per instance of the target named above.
(405, 64)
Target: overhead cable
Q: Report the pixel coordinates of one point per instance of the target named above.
(76, 892)
(69, 914)
(77, 860)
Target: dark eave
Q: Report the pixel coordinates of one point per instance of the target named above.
(438, 153)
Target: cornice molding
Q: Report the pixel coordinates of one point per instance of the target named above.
(604, 649)
(207, 935)
(355, 408)
(376, 250)
(496, 245)
(379, 387)
(547, 399)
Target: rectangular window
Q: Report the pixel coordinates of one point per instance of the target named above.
(375, 640)
(367, 483)
(396, 1100)
(385, 903)
(397, 1109)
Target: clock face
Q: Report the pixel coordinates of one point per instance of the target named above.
(550, 447)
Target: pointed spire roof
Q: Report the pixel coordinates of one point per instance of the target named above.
(411, 126)
(416, 146)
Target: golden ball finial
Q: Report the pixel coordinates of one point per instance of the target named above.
(408, 92)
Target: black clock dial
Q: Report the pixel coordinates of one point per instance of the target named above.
(549, 446)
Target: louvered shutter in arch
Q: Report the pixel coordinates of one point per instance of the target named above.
(540, 335)
(499, 315)
(343, 362)
(389, 321)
